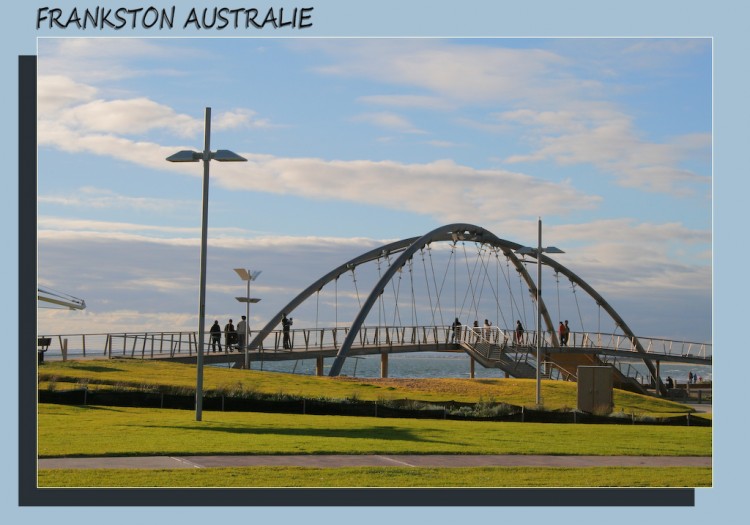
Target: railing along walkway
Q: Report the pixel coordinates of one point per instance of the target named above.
(421, 338)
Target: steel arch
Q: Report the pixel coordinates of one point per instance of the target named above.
(408, 247)
(450, 232)
(334, 274)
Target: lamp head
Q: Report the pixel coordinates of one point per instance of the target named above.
(185, 155)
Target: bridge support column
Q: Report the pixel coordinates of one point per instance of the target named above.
(383, 365)
(319, 366)
(471, 367)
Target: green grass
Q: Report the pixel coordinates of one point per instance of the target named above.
(117, 431)
(144, 374)
(110, 431)
(381, 477)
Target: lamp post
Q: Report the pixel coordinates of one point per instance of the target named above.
(206, 156)
(537, 252)
(247, 275)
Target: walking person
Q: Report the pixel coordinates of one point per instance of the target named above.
(567, 332)
(487, 329)
(241, 328)
(519, 332)
(561, 329)
(215, 336)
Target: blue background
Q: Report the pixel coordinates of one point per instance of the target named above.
(726, 25)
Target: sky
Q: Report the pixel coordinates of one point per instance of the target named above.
(353, 142)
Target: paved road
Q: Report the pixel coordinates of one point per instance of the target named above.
(333, 461)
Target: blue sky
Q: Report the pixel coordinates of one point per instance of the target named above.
(352, 142)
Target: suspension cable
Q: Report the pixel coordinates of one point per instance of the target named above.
(317, 309)
(427, 283)
(356, 289)
(414, 321)
(523, 298)
(397, 290)
(471, 273)
(437, 291)
(336, 301)
(557, 279)
(578, 307)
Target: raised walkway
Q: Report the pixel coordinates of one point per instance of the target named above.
(337, 461)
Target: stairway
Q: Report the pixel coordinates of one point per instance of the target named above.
(514, 361)
(568, 363)
(509, 359)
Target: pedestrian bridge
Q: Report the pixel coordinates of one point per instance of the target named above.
(491, 348)
(404, 296)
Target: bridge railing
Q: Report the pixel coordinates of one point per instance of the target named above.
(309, 339)
(653, 345)
(181, 343)
(125, 344)
(553, 371)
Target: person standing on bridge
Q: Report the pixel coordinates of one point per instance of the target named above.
(286, 325)
(567, 333)
(215, 336)
(229, 334)
(561, 329)
(519, 332)
(456, 329)
(487, 329)
(241, 327)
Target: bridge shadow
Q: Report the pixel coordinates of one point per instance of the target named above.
(95, 368)
(387, 433)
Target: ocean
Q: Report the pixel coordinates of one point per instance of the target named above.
(434, 364)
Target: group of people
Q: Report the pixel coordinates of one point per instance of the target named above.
(692, 379)
(234, 338)
(564, 330)
(456, 329)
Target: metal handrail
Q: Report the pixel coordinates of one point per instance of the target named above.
(186, 342)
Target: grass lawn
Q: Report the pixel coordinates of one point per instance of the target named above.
(144, 374)
(101, 431)
(381, 477)
(119, 431)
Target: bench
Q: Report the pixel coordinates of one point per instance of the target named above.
(42, 344)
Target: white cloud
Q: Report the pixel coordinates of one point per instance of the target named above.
(465, 74)
(141, 283)
(360, 181)
(129, 117)
(90, 197)
(55, 92)
(606, 138)
(239, 118)
(389, 121)
(443, 189)
(406, 101)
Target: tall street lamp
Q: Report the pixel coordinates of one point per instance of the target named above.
(537, 252)
(206, 156)
(247, 275)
